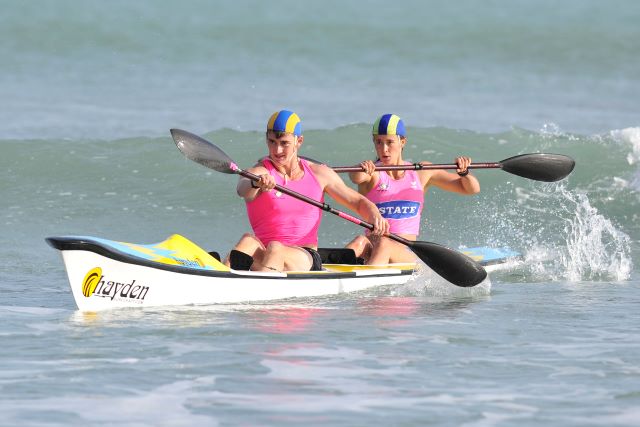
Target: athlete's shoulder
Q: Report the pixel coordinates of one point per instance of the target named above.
(258, 168)
(325, 175)
(427, 175)
(320, 169)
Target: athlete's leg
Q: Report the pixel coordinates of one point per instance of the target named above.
(387, 251)
(279, 257)
(250, 245)
(362, 246)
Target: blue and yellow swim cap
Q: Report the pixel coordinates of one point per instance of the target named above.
(285, 121)
(389, 124)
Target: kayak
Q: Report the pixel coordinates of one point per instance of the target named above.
(106, 274)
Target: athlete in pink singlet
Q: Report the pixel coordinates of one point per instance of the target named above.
(290, 221)
(399, 200)
(285, 230)
(399, 195)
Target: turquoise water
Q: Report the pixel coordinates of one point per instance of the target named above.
(90, 92)
(122, 69)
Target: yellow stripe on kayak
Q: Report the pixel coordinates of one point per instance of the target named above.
(178, 250)
(349, 267)
(473, 256)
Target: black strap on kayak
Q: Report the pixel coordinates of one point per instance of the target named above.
(216, 255)
(240, 260)
(339, 256)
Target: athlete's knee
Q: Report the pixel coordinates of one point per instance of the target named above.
(248, 238)
(359, 242)
(383, 242)
(274, 247)
(249, 243)
(361, 246)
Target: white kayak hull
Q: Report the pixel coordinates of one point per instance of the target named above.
(99, 281)
(106, 274)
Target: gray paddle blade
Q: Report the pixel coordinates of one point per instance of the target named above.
(540, 167)
(453, 266)
(202, 151)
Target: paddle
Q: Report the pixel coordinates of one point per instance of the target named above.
(455, 267)
(539, 166)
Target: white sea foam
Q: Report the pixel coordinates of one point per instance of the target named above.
(631, 137)
(427, 283)
(551, 129)
(165, 405)
(30, 311)
(591, 247)
(595, 247)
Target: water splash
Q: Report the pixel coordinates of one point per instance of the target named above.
(550, 130)
(630, 136)
(560, 233)
(595, 249)
(590, 247)
(427, 283)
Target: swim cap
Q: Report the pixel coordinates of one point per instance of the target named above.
(285, 121)
(389, 124)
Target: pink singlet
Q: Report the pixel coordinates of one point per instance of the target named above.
(399, 201)
(277, 216)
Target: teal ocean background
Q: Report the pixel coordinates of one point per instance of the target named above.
(90, 90)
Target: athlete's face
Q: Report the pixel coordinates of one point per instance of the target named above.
(389, 148)
(283, 147)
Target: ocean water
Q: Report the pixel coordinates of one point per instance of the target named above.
(90, 90)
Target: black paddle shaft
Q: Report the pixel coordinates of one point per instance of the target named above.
(545, 167)
(417, 166)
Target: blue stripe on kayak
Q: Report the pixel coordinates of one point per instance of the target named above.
(126, 249)
(490, 254)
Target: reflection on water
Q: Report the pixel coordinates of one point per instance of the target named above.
(396, 309)
(285, 320)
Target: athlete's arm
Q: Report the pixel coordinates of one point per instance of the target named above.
(448, 181)
(364, 176)
(366, 179)
(247, 191)
(348, 197)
